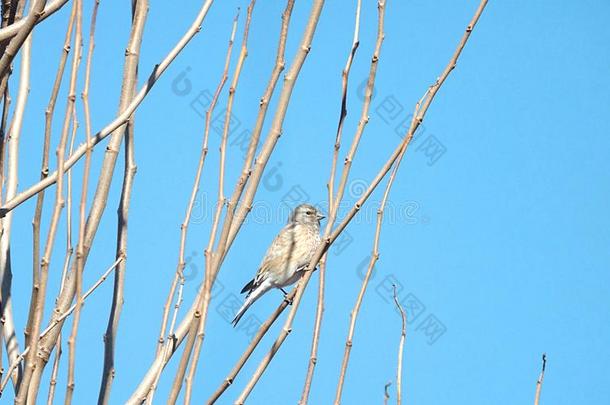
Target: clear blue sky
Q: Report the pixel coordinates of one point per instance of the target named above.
(499, 240)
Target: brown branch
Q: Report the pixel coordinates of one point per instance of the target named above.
(13, 47)
(99, 202)
(230, 228)
(401, 345)
(60, 318)
(386, 393)
(79, 265)
(11, 188)
(14, 28)
(69, 249)
(356, 310)
(44, 170)
(178, 380)
(13, 141)
(121, 118)
(210, 258)
(54, 373)
(373, 260)
(179, 277)
(140, 10)
(343, 113)
(28, 388)
(540, 380)
(289, 82)
(78, 43)
(235, 220)
(249, 350)
(256, 132)
(80, 250)
(313, 357)
(184, 360)
(296, 294)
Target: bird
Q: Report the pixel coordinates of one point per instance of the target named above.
(287, 257)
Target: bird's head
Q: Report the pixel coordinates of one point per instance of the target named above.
(306, 214)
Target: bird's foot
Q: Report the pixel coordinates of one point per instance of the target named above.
(286, 298)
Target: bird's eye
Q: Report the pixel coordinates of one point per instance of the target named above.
(309, 212)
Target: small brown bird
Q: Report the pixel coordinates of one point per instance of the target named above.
(287, 257)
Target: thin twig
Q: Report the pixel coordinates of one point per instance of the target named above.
(225, 238)
(235, 221)
(540, 380)
(247, 169)
(140, 10)
(54, 373)
(296, 294)
(36, 8)
(12, 30)
(401, 345)
(249, 350)
(24, 82)
(72, 339)
(386, 392)
(179, 277)
(121, 118)
(78, 44)
(343, 113)
(12, 167)
(192, 341)
(208, 283)
(44, 170)
(60, 318)
(313, 357)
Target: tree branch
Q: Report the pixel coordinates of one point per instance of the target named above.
(121, 119)
(401, 345)
(313, 357)
(540, 380)
(14, 28)
(296, 294)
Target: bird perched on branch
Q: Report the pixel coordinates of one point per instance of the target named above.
(287, 257)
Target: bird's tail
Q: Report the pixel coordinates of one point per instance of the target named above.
(252, 296)
(242, 311)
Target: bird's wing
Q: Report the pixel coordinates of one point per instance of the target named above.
(281, 249)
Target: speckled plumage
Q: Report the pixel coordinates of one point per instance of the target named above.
(287, 257)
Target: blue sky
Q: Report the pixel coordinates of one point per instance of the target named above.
(499, 239)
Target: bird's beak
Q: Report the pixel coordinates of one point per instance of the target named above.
(320, 217)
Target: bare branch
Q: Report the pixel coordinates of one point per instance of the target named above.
(261, 161)
(401, 345)
(296, 294)
(386, 393)
(28, 25)
(12, 30)
(69, 250)
(54, 373)
(540, 380)
(249, 350)
(343, 113)
(44, 170)
(258, 126)
(28, 389)
(179, 277)
(221, 198)
(140, 10)
(121, 119)
(58, 320)
(8, 327)
(11, 187)
(233, 224)
(313, 358)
